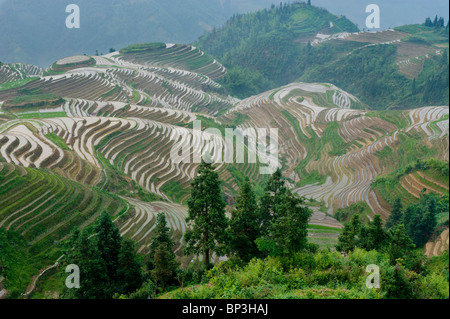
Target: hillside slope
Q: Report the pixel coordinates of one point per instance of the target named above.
(94, 133)
(402, 68)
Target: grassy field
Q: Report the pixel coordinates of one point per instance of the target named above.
(18, 83)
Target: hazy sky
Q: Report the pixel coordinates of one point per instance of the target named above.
(34, 31)
(393, 13)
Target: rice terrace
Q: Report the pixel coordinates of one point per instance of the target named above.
(88, 170)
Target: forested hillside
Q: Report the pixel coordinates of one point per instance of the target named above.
(397, 68)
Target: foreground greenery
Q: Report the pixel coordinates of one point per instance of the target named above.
(269, 255)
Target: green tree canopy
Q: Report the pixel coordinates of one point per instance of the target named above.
(206, 215)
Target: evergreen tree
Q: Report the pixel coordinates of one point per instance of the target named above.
(206, 213)
(396, 215)
(377, 236)
(398, 287)
(129, 271)
(164, 265)
(400, 245)
(244, 226)
(94, 281)
(428, 22)
(271, 199)
(348, 240)
(108, 264)
(290, 229)
(108, 243)
(162, 260)
(162, 235)
(420, 219)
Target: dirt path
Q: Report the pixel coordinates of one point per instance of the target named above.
(34, 280)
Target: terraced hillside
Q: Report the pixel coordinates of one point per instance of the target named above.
(98, 133)
(333, 153)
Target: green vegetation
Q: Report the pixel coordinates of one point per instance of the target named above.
(174, 191)
(271, 48)
(18, 83)
(360, 209)
(32, 101)
(15, 263)
(244, 226)
(264, 49)
(40, 115)
(143, 47)
(319, 275)
(115, 181)
(162, 261)
(58, 141)
(50, 219)
(207, 215)
(389, 185)
(107, 262)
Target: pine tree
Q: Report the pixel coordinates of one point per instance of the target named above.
(399, 243)
(164, 265)
(271, 199)
(94, 281)
(435, 22)
(162, 260)
(396, 215)
(377, 235)
(348, 240)
(290, 229)
(162, 235)
(206, 215)
(244, 226)
(129, 272)
(108, 243)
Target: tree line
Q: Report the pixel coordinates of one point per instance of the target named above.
(257, 229)
(276, 225)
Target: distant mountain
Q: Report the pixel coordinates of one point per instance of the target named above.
(402, 68)
(35, 31)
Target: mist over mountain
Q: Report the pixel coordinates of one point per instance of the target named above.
(35, 31)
